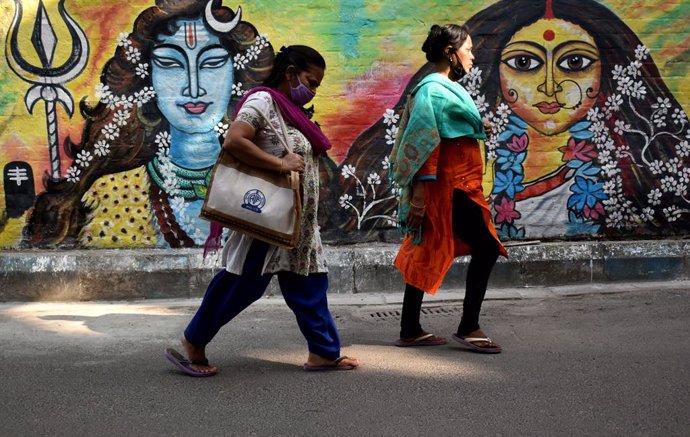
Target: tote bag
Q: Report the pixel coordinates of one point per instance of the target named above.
(261, 203)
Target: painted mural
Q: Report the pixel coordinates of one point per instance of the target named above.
(590, 135)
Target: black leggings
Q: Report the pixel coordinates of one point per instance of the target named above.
(469, 226)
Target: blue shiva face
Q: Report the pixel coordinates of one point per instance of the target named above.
(192, 75)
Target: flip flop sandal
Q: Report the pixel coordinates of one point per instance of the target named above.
(468, 343)
(329, 367)
(185, 365)
(425, 339)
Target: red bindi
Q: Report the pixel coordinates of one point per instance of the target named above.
(549, 35)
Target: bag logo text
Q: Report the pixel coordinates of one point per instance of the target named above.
(254, 200)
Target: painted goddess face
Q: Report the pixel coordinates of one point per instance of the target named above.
(550, 74)
(192, 75)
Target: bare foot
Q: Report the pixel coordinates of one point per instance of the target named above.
(314, 360)
(483, 344)
(197, 357)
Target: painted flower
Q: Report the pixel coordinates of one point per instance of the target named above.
(503, 111)
(121, 117)
(103, 92)
(261, 41)
(221, 128)
(673, 165)
(594, 213)
(595, 115)
(672, 213)
(392, 220)
(101, 148)
(240, 61)
(511, 232)
(641, 52)
(679, 116)
(668, 184)
(391, 134)
(579, 150)
(347, 171)
(253, 53)
(480, 103)
(518, 143)
(125, 102)
(178, 205)
(654, 197)
(133, 54)
(620, 127)
(683, 149)
(505, 211)
(638, 90)
(374, 179)
(123, 40)
(345, 201)
(634, 69)
(585, 192)
(83, 158)
(614, 102)
(508, 160)
(647, 214)
(662, 103)
(111, 131)
(162, 139)
(385, 164)
(142, 70)
(237, 89)
(657, 167)
(508, 182)
(73, 174)
(618, 72)
(390, 117)
(144, 96)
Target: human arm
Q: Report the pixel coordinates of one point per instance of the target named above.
(424, 175)
(239, 142)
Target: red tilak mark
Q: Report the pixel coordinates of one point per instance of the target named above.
(191, 35)
(549, 10)
(549, 35)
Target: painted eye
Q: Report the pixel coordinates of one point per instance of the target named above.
(523, 63)
(164, 62)
(574, 62)
(215, 62)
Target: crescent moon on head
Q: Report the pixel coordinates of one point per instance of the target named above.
(219, 26)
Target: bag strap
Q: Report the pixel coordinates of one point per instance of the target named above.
(282, 136)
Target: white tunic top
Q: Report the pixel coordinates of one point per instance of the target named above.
(307, 257)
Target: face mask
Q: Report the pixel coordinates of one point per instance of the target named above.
(300, 95)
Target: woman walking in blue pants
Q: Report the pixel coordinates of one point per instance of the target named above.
(249, 263)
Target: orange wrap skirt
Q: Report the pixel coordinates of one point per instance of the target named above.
(457, 164)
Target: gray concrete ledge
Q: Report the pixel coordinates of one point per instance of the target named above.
(83, 275)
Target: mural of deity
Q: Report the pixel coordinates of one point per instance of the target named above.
(141, 169)
(588, 140)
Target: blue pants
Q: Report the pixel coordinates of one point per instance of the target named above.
(229, 294)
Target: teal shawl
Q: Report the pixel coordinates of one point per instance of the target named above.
(436, 108)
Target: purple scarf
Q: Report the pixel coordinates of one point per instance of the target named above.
(295, 117)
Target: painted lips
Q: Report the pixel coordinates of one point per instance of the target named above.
(549, 108)
(195, 108)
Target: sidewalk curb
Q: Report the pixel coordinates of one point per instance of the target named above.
(84, 275)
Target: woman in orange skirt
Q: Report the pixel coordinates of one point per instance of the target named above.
(437, 162)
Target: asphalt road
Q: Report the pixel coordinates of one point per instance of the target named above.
(597, 365)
